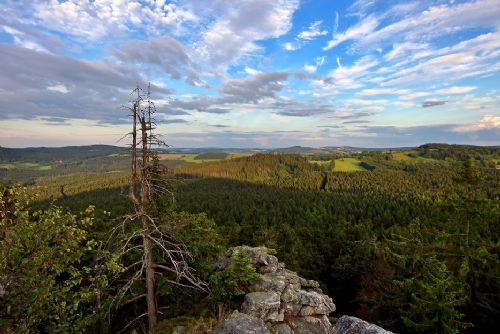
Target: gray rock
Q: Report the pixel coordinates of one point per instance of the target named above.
(292, 277)
(310, 298)
(273, 268)
(263, 305)
(291, 294)
(285, 302)
(240, 323)
(311, 325)
(281, 328)
(258, 255)
(352, 325)
(271, 282)
(306, 283)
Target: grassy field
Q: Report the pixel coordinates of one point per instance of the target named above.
(405, 157)
(191, 158)
(348, 165)
(325, 164)
(25, 165)
(341, 165)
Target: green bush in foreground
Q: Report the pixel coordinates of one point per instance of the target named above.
(235, 281)
(49, 283)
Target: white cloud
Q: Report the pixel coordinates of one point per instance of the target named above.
(289, 46)
(318, 62)
(435, 21)
(236, 31)
(360, 7)
(11, 31)
(401, 49)
(362, 102)
(251, 71)
(414, 95)
(335, 24)
(381, 91)
(455, 90)
(485, 122)
(346, 76)
(361, 30)
(310, 68)
(59, 88)
(21, 39)
(97, 19)
(312, 32)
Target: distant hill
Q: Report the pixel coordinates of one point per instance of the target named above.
(298, 150)
(50, 154)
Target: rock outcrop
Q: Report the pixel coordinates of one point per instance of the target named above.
(284, 303)
(353, 325)
(239, 323)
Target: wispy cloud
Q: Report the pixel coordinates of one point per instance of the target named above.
(366, 67)
(359, 31)
(318, 62)
(313, 31)
(455, 90)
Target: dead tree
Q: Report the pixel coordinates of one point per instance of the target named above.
(154, 241)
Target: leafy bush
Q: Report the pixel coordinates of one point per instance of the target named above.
(45, 276)
(235, 281)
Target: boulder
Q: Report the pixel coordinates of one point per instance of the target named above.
(240, 323)
(281, 328)
(352, 325)
(282, 302)
(271, 282)
(258, 255)
(263, 305)
(311, 325)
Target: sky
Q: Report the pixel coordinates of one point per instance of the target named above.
(252, 73)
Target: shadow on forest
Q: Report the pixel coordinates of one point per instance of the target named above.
(327, 236)
(332, 236)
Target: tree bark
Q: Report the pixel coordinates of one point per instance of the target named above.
(148, 249)
(133, 179)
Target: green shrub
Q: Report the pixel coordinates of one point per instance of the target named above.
(232, 283)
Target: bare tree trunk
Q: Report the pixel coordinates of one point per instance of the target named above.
(148, 250)
(150, 276)
(133, 179)
(145, 174)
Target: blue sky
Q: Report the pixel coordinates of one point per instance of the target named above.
(252, 73)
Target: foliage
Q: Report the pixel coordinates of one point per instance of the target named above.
(234, 281)
(421, 293)
(412, 244)
(200, 235)
(51, 283)
(49, 154)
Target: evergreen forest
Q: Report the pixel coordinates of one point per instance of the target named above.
(407, 239)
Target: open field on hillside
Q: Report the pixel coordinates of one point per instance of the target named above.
(406, 156)
(24, 165)
(325, 164)
(348, 165)
(199, 158)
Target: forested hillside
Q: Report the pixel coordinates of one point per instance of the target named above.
(50, 154)
(410, 242)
